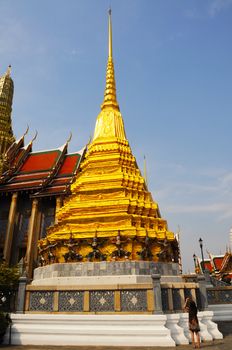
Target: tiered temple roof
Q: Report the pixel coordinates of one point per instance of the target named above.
(218, 265)
(43, 173)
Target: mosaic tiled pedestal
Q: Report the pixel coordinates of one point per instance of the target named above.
(115, 286)
(117, 271)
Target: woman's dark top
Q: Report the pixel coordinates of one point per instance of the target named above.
(193, 320)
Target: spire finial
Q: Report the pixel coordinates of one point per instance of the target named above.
(110, 35)
(70, 137)
(25, 133)
(110, 99)
(8, 72)
(36, 133)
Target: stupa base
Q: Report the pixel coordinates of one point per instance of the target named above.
(99, 287)
(77, 281)
(104, 272)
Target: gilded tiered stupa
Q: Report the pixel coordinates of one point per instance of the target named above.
(6, 134)
(110, 214)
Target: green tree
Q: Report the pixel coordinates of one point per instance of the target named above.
(9, 276)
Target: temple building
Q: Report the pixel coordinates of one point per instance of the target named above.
(32, 185)
(219, 266)
(93, 205)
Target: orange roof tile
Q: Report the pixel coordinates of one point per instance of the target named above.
(69, 165)
(207, 264)
(40, 161)
(218, 262)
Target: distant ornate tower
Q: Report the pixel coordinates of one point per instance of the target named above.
(231, 239)
(6, 97)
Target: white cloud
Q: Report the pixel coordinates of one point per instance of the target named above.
(76, 52)
(217, 6)
(12, 36)
(207, 191)
(226, 180)
(207, 208)
(212, 9)
(173, 166)
(17, 39)
(193, 13)
(185, 189)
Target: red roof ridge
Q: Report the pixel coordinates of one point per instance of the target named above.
(14, 146)
(13, 168)
(225, 260)
(218, 256)
(55, 168)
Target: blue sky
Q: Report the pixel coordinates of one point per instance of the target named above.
(174, 86)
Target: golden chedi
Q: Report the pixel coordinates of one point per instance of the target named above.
(110, 214)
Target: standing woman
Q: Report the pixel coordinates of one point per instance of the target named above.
(194, 328)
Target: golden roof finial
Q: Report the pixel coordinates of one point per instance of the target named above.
(145, 170)
(70, 137)
(8, 72)
(36, 133)
(110, 35)
(110, 99)
(25, 133)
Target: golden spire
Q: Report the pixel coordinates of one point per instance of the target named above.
(110, 99)
(109, 123)
(110, 202)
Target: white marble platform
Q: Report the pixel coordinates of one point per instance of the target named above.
(221, 312)
(110, 330)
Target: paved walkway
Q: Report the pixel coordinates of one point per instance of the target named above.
(224, 344)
